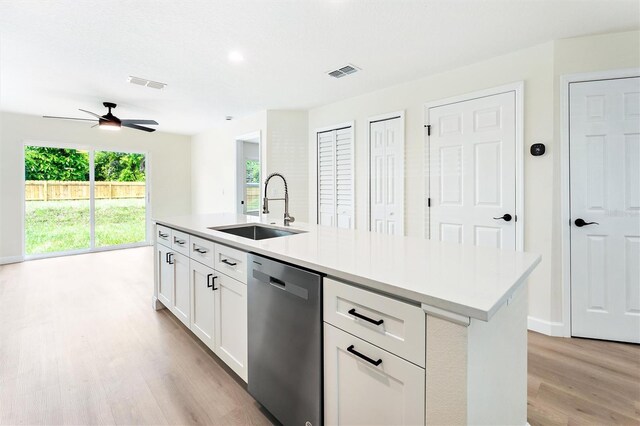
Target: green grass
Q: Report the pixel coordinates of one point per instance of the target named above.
(54, 226)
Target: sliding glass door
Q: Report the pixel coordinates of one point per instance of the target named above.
(83, 200)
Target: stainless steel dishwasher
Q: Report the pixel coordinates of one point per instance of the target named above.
(285, 340)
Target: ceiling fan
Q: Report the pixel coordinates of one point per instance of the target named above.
(110, 121)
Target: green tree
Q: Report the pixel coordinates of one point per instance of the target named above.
(119, 166)
(42, 163)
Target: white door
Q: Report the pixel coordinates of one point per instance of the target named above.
(165, 275)
(366, 385)
(181, 307)
(231, 324)
(472, 171)
(202, 302)
(387, 176)
(604, 150)
(335, 178)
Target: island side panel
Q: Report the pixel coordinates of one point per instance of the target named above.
(446, 372)
(497, 365)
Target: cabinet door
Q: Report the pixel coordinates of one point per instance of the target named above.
(165, 276)
(202, 302)
(231, 324)
(357, 392)
(181, 306)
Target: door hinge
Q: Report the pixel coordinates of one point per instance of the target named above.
(515, 217)
(428, 127)
(429, 202)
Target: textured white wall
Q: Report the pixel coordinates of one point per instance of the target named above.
(169, 159)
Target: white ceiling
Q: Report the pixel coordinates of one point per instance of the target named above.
(58, 56)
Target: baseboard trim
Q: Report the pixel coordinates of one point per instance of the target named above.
(555, 329)
(10, 259)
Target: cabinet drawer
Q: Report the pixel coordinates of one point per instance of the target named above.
(180, 242)
(201, 250)
(231, 262)
(389, 323)
(366, 385)
(163, 235)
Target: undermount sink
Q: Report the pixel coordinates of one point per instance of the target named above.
(256, 232)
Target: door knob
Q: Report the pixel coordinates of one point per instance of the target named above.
(506, 217)
(580, 223)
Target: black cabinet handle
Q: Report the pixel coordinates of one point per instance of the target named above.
(177, 241)
(211, 282)
(166, 258)
(162, 235)
(199, 250)
(363, 356)
(353, 312)
(170, 258)
(580, 223)
(228, 263)
(506, 217)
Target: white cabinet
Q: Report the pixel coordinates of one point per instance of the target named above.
(231, 323)
(366, 385)
(211, 302)
(181, 306)
(203, 307)
(164, 275)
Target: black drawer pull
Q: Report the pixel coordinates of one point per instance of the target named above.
(353, 312)
(170, 258)
(228, 263)
(366, 358)
(161, 235)
(199, 250)
(177, 241)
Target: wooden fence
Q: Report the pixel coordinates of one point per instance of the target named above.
(49, 190)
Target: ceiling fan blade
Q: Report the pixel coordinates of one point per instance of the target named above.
(92, 113)
(135, 126)
(134, 121)
(69, 118)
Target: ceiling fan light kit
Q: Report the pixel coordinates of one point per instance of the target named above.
(110, 121)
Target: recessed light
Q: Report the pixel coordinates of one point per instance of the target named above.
(228, 118)
(235, 56)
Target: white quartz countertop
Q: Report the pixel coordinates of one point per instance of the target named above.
(466, 280)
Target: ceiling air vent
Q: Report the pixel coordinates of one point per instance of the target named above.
(343, 71)
(144, 82)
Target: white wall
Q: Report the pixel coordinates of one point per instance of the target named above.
(168, 156)
(213, 163)
(539, 67)
(283, 149)
(287, 153)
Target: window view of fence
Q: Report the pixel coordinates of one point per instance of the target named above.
(252, 186)
(57, 199)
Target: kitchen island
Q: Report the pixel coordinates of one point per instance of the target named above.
(473, 300)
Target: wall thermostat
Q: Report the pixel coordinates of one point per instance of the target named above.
(537, 149)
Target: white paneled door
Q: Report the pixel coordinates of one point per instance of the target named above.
(335, 178)
(386, 139)
(472, 171)
(604, 150)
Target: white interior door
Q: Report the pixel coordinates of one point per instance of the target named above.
(335, 178)
(472, 171)
(386, 141)
(604, 150)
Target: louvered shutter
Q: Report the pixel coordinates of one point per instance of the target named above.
(344, 178)
(326, 178)
(335, 178)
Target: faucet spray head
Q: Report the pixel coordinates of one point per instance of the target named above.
(265, 205)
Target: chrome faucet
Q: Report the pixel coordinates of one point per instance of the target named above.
(265, 205)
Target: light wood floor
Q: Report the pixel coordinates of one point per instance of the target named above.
(80, 344)
(582, 381)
